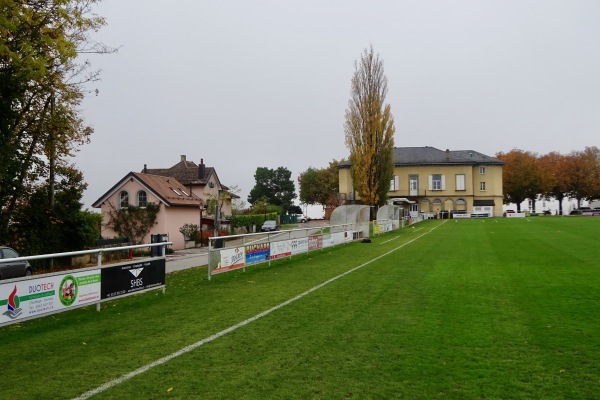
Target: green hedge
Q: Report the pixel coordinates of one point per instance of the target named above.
(248, 220)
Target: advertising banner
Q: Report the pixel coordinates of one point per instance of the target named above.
(328, 240)
(123, 279)
(231, 259)
(512, 215)
(315, 242)
(299, 245)
(281, 249)
(35, 297)
(593, 213)
(456, 216)
(256, 253)
(341, 237)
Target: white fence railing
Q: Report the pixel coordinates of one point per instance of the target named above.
(227, 253)
(40, 295)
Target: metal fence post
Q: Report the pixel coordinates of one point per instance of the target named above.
(209, 258)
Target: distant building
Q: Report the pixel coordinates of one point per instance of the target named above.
(430, 180)
(182, 192)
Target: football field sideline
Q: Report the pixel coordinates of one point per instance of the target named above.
(224, 332)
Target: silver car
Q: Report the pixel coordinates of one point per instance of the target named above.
(269, 226)
(13, 269)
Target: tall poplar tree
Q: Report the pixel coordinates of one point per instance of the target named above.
(369, 130)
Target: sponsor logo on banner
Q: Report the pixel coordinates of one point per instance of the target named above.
(68, 290)
(315, 242)
(299, 245)
(127, 278)
(280, 249)
(591, 213)
(13, 305)
(231, 259)
(257, 252)
(38, 296)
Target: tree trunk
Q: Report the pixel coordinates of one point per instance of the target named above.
(560, 205)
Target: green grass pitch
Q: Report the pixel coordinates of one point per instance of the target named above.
(456, 309)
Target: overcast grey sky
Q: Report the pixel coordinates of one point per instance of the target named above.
(247, 84)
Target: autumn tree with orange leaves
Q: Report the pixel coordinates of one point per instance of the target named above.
(521, 178)
(584, 174)
(527, 176)
(553, 169)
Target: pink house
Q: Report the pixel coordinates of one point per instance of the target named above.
(182, 191)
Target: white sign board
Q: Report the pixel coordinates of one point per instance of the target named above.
(34, 297)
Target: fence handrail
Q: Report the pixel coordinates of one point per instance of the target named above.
(273, 241)
(83, 252)
(99, 283)
(271, 232)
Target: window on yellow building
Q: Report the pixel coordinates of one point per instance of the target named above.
(460, 182)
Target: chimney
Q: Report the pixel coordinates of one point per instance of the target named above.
(145, 169)
(183, 158)
(201, 169)
(447, 154)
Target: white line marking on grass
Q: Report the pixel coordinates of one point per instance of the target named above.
(217, 335)
(392, 239)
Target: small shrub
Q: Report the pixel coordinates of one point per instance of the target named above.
(189, 231)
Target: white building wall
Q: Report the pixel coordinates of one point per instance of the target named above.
(539, 206)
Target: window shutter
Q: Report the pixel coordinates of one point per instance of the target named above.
(443, 182)
(430, 182)
(396, 182)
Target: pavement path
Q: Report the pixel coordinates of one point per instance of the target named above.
(184, 259)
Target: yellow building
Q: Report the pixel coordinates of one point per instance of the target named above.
(432, 181)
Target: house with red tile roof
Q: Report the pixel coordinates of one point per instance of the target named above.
(182, 191)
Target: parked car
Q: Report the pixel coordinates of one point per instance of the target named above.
(13, 269)
(508, 212)
(269, 226)
(579, 210)
(301, 218)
